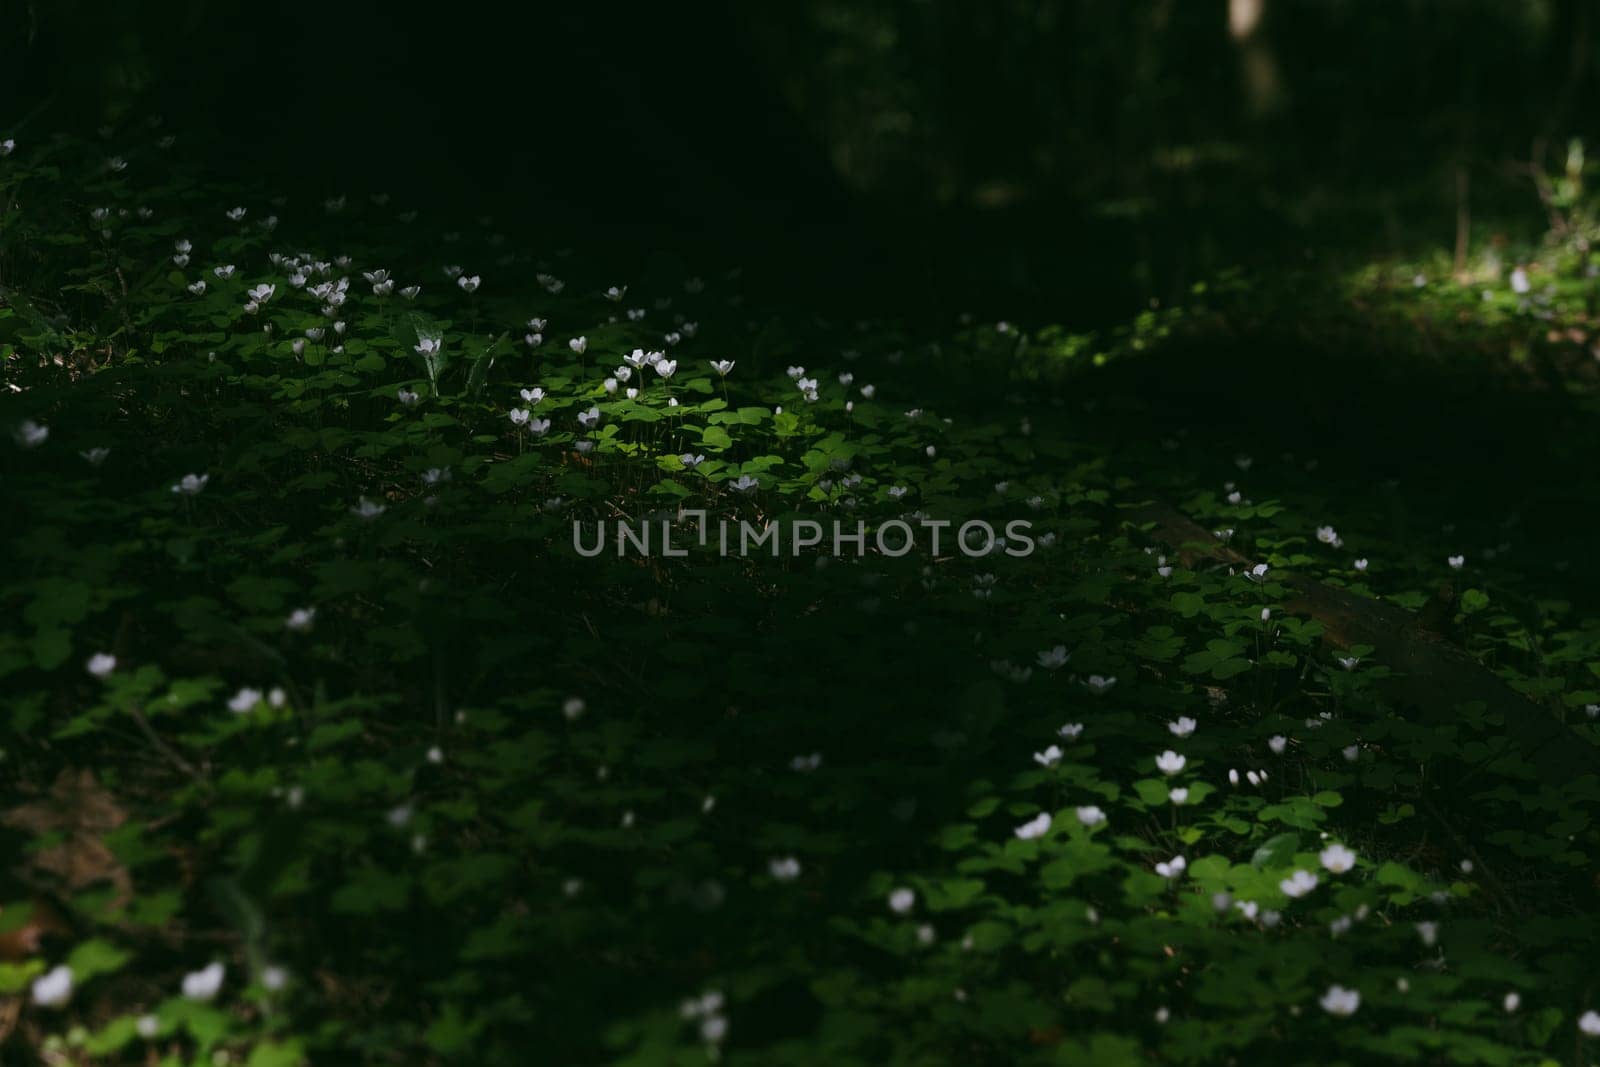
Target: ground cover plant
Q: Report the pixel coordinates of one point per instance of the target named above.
(324, 743)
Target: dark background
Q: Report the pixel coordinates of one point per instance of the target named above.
(1069, 160)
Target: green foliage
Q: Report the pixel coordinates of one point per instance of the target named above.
(435, 788)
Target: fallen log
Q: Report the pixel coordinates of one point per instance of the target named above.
(1432, 674)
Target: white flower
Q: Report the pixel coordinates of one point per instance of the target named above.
(1348, 662)
(8, 146)
(1519, 281)
(1170, 763)
(532, 396)
(1277, 743)
(1091, 816)
(1071, 730)
(1035, 827)
(616, 293)
(796, 372)
(1173, 868)
(1456, 562)
(519, 416)
(1429, 932)
(868, 391)
(224, 271)
(580, 345)
(666, 368)
(1233, 776)
(1183, 727)
(235, 213)
(744, 484)
(1178, 795)
(244, 700)
(427, 346)
(30, 434)
(1337, 859)
(95, 456)
(1298, 884)
(722, 366)
(180, 260)
(367, 509)
(589, 419)
(191, 484)
(1054, 658)
(54, 987)
(408, 397)
(806, 764)
(274, 977)
(148, 1026)
(1328, 536)
(1049, 757)
(1361, 564)
(1512, 1001)
(1340, 1001)
(691, 460)
(262, 293)
(469, 285)
(203, 985)
(410, 292)
(1099, 684)
(197, 287)
(784, 869)
(573, 708)
(1589, 1023)
(1258, 573)
(540, 427)
(902, 900)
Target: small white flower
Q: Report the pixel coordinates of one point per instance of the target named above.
(666, 368)
(427, 346)
(410, 292)
(244, 701)
(1277, 743)
(1178, 795)
(235, 213)
(1070, 731)
(1054, 658)
(1298, 884)
(1519, 281)
(616, 293)
(191, 484)
(398, 816)
(1091, 816)
(1351, 752)
(274, 977)
(204, 985)
(1258, 573)
(580, 345)
(1035, 827)
(1337, 859)
(435, 755)
(54, 987)
(1170, 762)
(1456, 562)
(722, 366)
(469, 284)
(784, 869)
(540, 427)
(1099, 684)
(1328, 536)
(1183, 727)
(148, 1026)
(225, 271)
(691, 460)
(1589, 1023)
(30, 434)
(573, 708)
(197, 287)
(589, 419)
(1348, 662)
(902, 900)
(101, 664)
(95, 456)
(532, 396)
(262, 293)
(1361, 564)
(408, 397)
(1172, 868)
(744, 484)
(1049, 757)
(1429, 932)
(1340, 1001)
(1512, 1002)
(368, 509)
(519, 416)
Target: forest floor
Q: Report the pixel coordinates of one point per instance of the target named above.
(1267, 733)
